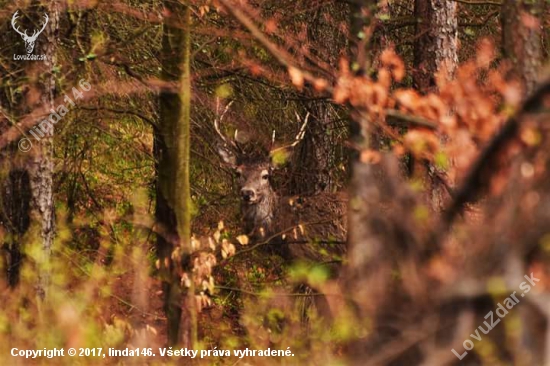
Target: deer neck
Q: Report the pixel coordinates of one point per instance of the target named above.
(260, 216)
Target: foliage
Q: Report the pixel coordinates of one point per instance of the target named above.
(390, 145)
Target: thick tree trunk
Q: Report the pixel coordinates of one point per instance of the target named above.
(16, 199)
(311, 173)
(362, 14)
(522, 46)
(41, 164)
(173, 207)
(521, 38)
(316, 155)
(435, 53)
(436, 46)
(381, 228)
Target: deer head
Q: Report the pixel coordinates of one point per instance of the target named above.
(29, 40)
(253, 170)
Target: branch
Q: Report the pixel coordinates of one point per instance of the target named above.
(410, 119)
(121, 111)
(482, 170)
(483, 22)
(122, 89)
(280, 55)
(479, 2)
(258, 294)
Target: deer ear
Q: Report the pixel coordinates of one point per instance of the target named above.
(228, 157)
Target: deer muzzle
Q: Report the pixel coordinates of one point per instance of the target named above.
(248, 195)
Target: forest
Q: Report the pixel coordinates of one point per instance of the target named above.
(275, 182)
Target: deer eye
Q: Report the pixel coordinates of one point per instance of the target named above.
(265, 176)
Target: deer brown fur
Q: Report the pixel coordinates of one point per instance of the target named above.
(310, 228)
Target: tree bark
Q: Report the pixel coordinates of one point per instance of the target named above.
(361, 19)
(41, 165)
(521, 39)
(435, 53)
(15, 218)
(436, 46)
(173, 206)
(316, 155)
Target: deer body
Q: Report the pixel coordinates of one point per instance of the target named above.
(304, 228)
(259, 200)
(311, 228)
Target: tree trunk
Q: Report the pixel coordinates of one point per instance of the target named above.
(361, 19)
(521, 39)
(316, 155)
(173, 206)
(435, 53)
(311, 167)
(16, 199)
(436, 46)
(522, 45)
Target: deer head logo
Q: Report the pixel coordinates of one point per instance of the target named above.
(29, 40)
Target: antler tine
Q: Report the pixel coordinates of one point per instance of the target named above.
(273, 139)
(299, 137)
(302, 132)
(219, 119)
(46, 18)
(15, 27)
(36, 33)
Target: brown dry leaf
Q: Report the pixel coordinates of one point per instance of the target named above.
(384, 78)
(421, 142)
(255, 69)
(228, 249)
(485, 53)
(185, 281)
(341, 93)
(320, 84)
(391, 60)
(399, 150)
(408, 98)
(370, 156)
(399, 71)
(513, 93)
(440, 270)
(203, 10)
(296, 76)
(379, 97)
(243, 239)
(270, 26)
(530, 21)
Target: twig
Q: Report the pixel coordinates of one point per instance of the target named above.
(479, 2)
(478, 177)
(258, 294)
(410, 119)
(480, 174)
(280, 55)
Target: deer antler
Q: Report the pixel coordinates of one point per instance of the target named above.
(218, 120)
(35, 34)
(24, 34)
(15, 27)
(302, 132)
(299, 136)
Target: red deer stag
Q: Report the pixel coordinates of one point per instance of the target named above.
(308, 228)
